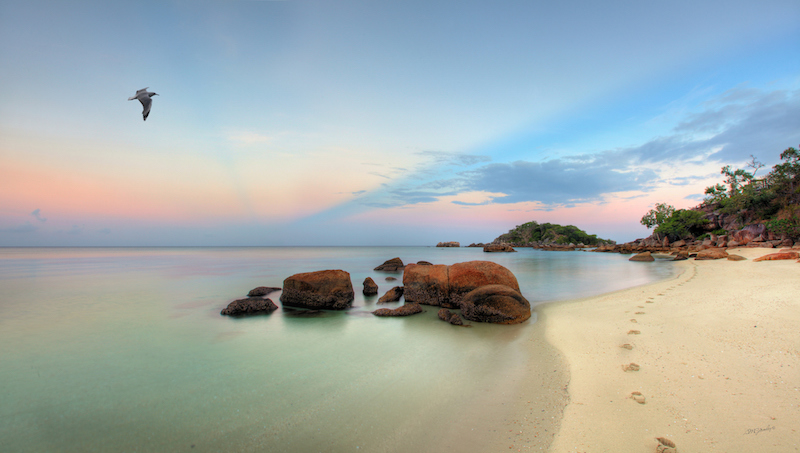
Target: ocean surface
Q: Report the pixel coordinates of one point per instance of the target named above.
(124, 349)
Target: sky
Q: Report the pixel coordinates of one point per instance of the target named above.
(379, 123)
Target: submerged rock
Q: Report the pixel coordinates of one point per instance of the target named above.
(498, 304)
(498, 248)
(448, 316)
(405, 310)
(328, 289)
(249, 306)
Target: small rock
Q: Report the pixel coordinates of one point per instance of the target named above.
(370, 287)
(262, 291)
(392, 265)
(249, 306)
(393, 295)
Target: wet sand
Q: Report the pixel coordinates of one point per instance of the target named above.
(709, 360)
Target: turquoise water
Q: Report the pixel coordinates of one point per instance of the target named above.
(123, 349)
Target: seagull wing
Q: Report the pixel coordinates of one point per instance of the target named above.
(146, 103)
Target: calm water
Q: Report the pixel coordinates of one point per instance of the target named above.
(123, 349)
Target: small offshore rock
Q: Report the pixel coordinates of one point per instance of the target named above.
(393, 295)
(251, 305)
(370, 287)
(392, 265)
(262, 291)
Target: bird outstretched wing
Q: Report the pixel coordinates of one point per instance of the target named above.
(146, 103)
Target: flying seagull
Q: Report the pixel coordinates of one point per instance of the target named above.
(144, 97)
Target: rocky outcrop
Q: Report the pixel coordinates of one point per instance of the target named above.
(370, 287)
(392, 265)
(491, 248)
(328, 289)
(405, 310)
(249, 306)
(262, 291)
(448, 244)
(393, 295)
(681, 255)
(448, 316)
(711, 254)
(445, 286)
(424, 263)
(643, 256)
(779, 256)
(732, 257)
(497, 304)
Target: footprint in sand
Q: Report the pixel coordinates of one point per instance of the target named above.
(639, 313)
(630, 367)
(638, 397)
(650, 302)
(633, 332)
(627, 346)
(665, 445)
(633, 320)
(640, 306)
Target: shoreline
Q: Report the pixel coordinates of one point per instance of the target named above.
(718, 357)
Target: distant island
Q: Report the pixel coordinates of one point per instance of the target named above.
(535, 234)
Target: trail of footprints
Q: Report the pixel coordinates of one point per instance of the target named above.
(664, 445)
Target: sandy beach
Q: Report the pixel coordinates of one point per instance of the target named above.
(713, 353)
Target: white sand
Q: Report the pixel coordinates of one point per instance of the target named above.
(719, 357)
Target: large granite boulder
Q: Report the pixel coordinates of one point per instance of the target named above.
(370, 287)
(392, 265)
(405, 310)
(748, 234)
(465, 277)
(644, 256)
(427, 284)
(249, 306)
(445, 286)
(491, 248)
(711, 254)
(328, 290)
(262, 291)
(393, 295)
(498, 304)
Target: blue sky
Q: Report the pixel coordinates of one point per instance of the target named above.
(378, 123)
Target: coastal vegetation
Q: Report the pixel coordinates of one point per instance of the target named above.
(548, 233)
(743, 199)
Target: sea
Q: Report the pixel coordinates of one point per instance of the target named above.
(125, 350)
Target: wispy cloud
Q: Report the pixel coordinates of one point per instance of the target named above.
(38, 215)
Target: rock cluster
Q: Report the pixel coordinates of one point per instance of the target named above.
(448, 316)
(262, 291)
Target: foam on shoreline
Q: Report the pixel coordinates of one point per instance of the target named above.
(718, 356)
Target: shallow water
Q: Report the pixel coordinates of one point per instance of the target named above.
(123, 349)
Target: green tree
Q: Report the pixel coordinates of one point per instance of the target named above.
(657, 216)
(683, 224)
